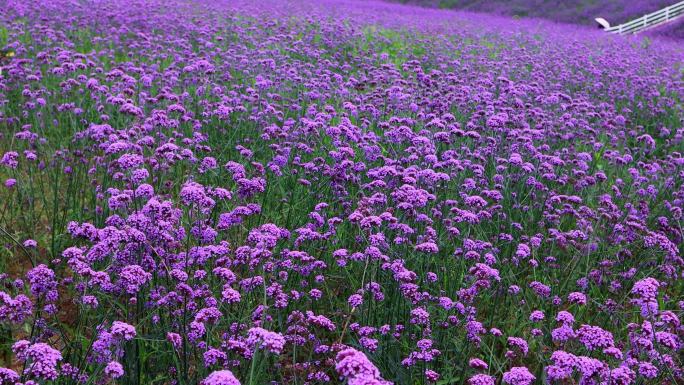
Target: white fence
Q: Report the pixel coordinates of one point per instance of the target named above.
(647, 21)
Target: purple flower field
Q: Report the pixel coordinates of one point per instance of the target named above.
(335, 192)
(567, 11)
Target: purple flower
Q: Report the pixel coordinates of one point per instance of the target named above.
(565, 317)
(578, 298)
(420, 316)
(320, 321)
(128, 161)
(519, 375)
(42, 280)
(589, 367)
(540, 289)
(30, 244)
(114, 369)
(209, 315)
(648, 370)
(351, 363)
(622, 375)
(175, 339)
(537, 316)
(14, 310)
(481, 379)
(42, 359)
(133, 277)
(428, 247)
(8, 376)
(123, 330)
(10, 159)
(593, 337)
(214, 357)
(431, 375)
(646, 292)
(563, 366)
(563, 333)
(519, 343)
(477, 363)
(523, 251)
(355, 300)
(264, 339)
(221, 377)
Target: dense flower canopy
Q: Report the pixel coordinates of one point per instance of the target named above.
(322, 192)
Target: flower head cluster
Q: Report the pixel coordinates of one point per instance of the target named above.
(355, 367)
(41, 360)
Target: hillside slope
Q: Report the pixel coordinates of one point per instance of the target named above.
(574, 11)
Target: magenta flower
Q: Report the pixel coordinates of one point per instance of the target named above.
(518, 376)
(221, 377)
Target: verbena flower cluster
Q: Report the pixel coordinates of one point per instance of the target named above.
(324, 192)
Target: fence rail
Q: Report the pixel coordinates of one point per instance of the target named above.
(650, 20)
